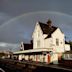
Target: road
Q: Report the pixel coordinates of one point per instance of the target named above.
(10, 65)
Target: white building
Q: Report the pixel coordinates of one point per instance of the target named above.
(48, 44)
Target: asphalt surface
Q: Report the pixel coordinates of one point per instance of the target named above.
(9, 65)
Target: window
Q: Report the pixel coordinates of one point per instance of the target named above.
(57, 42)
(61, 42)
(70, 55)
(38, 43)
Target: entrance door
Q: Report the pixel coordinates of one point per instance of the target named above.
(49, 58)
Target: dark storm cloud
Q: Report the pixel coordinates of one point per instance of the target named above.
(17, 7)
(4, 17)
(20, 29)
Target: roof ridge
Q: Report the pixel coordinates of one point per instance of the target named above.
(46, 24)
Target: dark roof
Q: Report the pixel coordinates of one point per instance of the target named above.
(46, 29)
(67, 42)
(28, 46)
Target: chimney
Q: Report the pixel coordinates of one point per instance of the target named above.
(49, 23)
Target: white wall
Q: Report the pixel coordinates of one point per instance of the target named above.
(26, 57)
(51, 42)
(20, 57)
(58, 35)
(38, 35)
(48, 43)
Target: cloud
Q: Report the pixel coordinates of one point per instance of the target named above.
(9, 46)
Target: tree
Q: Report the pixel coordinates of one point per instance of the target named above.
(70, 42)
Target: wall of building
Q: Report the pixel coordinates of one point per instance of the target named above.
(60, 36)
(20, 57)
(38, 39)
(48, 43)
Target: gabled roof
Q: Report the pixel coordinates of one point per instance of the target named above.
(46, 29)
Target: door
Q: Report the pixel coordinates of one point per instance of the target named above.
(49, 58)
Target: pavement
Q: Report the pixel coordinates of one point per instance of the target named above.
(23, 66)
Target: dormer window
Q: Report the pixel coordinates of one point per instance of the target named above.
(57, 42)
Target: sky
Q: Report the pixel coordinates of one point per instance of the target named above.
(18, 19)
